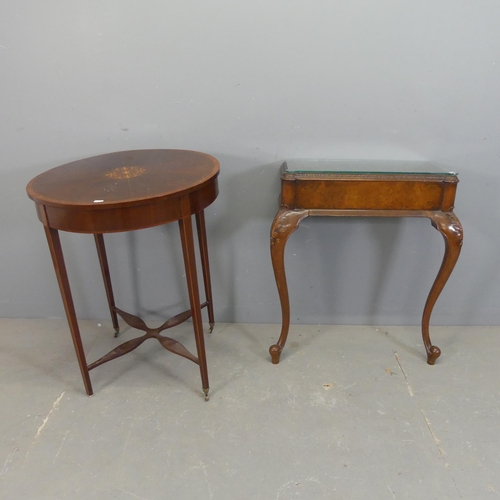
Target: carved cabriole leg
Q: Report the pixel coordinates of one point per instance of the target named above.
(62, 279)
(202, 240)
(103, 261)
(449, 226)
(284, 224)
(186, 231)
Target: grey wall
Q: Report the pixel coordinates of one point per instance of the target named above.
(254, 83)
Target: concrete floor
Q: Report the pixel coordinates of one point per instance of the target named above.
(349, 413)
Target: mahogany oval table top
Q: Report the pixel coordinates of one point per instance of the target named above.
(125, 190)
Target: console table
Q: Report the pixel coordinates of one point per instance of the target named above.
(125, 191)
(365, 188)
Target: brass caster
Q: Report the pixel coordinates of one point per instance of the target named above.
(117, 332)
(205, 391)
(211, 327)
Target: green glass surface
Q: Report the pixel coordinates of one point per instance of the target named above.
(365, 167)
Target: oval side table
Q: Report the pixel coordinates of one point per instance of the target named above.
(126, 191)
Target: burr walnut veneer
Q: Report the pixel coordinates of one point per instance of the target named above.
(125, 191)
(351, 188)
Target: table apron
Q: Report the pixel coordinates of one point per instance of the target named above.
(370, 213)
(108, 220)
(368, 195)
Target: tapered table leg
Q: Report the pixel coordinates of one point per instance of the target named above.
(451, 229)
(103, 261)
(186, 232)
(62, 279)
(284, 224)
(202, 239)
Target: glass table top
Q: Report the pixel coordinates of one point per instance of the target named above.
(310, 166)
